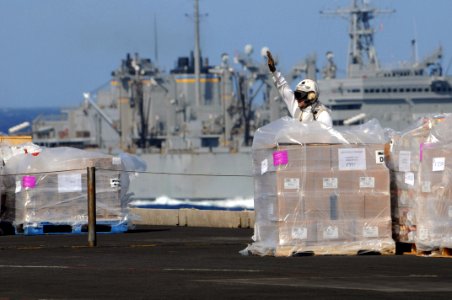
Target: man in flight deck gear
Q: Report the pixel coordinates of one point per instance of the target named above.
(303, 103)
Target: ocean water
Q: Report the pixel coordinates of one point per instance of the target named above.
(10, 117)
(237, 204)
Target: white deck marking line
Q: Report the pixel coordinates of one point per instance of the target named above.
(214, 270)
(30, 266)
(386, 287)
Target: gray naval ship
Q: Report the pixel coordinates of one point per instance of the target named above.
(194, 126)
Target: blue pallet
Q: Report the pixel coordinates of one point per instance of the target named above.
(68, 228)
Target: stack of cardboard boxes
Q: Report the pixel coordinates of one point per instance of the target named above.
(434, 200)
(421, 168)
(321, 198)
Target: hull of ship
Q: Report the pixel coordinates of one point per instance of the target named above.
(195, 176)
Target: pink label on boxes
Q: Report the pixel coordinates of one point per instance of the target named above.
(29, 182)
(280, 157)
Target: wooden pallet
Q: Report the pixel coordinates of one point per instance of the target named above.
(411, 249)
(359, 252)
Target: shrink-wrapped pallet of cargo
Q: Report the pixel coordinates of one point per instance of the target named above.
(51, 191)
(421, 162)
(320, 191)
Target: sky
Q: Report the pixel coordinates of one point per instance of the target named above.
(52, 51)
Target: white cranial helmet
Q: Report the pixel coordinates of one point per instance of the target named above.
(308, 85)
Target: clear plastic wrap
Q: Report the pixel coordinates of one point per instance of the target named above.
(290, 131)
(51, 188)
(420, 160)
(320, 190)
(8, 181)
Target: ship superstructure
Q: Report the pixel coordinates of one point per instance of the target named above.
(396, 96)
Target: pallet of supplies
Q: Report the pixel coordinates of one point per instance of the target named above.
(320, 191)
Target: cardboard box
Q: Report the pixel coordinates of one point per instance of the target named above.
(297, 233)
(290, 207)
(434, 208)
(366, 181)
(290, 181)
(356, 157)
(321, 182)
(318, 157)
(333, 231)
(377, 206)
(435, 158)
(430, 182)
(296, 155)
(333, 206)
(317, 206)
(373, 229)
(350, 206)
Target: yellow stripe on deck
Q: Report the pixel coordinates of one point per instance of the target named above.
(202, 80)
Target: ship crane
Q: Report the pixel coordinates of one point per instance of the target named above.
(88, 102)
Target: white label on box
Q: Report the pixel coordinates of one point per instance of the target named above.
(300, 233)
(438, 164)
(367, 182)
(291, 183)
(422, 233)
(116, 160)
(409, 178)
(68, 183)
(114, 182)
(331, 232)
(352, 158)
(370, 231)
(330, 183)
(404, 161)
(264, 166)
(449, 212)
(379, 157)
(18, 186)
(426, 187)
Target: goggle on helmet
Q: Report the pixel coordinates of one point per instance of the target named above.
(306, 90)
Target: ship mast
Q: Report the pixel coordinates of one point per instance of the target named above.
(362, 56)
(197, 57)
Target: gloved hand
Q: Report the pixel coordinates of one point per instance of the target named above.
(270, 62)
